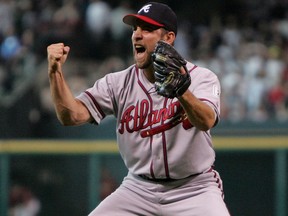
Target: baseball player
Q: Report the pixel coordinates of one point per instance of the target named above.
(165, 108)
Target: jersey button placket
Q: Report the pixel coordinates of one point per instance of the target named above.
(157, 150)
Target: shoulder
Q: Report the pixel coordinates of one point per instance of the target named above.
(121, 76)
(199, 71)
(123, 72)
(115, 80)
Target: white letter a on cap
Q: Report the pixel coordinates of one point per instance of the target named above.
(145, 8)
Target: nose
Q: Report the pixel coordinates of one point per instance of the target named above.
(137, 33)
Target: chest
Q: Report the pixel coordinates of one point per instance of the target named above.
(148, 113)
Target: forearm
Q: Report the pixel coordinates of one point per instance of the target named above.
(69, 110)
(201, 115)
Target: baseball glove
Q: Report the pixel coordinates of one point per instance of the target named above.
(170, 82)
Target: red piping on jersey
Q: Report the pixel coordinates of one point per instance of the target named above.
(195, 66)
(151, 109)
(219, 182)
(96, 104)
(165, 147)
(204, 99)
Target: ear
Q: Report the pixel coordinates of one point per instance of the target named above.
(169, 37)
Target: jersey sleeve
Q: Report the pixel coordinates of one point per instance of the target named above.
(99, 98)
(206, 87)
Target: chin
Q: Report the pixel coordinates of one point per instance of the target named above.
(144, 64)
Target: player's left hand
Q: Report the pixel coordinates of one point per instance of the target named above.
(171, 76)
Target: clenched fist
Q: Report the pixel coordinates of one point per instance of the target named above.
(57, 55)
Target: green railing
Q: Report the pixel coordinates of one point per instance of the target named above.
(278, 145)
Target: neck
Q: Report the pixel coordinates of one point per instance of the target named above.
(149, 73)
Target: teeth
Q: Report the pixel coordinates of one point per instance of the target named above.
(139, 48)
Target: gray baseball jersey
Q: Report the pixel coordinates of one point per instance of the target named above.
(154, 135)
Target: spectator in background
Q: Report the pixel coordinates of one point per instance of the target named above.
(231, 34)
(44, 27)
(26, 16)
(277, 99)
(119, 32)
(18, 21)
(274, 65)
(66, 21)
(7, 9)
(182, 43)
(27, 60)
(23, 202)
(9, 51)
(108, 184)
(19, 61)
(97, 19)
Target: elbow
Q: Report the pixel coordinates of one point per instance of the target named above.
(69, 117)
(206, 125)
(66, 119)
(65, 122)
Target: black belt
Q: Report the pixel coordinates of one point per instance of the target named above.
(164, 179)
(170, 179)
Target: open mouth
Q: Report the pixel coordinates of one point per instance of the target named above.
(140, 49)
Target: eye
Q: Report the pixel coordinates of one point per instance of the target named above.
(149, 28)
(146, 28)
(134, 28)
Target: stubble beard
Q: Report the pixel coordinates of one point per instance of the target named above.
(145, 64)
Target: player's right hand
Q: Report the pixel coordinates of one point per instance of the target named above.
(57, 55)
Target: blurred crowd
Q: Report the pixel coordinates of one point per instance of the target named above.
(23, 202)
(248, 52)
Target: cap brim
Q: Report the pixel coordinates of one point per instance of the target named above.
(130, 19)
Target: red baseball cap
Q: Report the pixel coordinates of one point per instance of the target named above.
(156, 14)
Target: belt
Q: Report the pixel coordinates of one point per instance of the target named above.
(165, 179)
(171, 179)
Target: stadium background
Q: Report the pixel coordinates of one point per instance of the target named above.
(69, 170)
